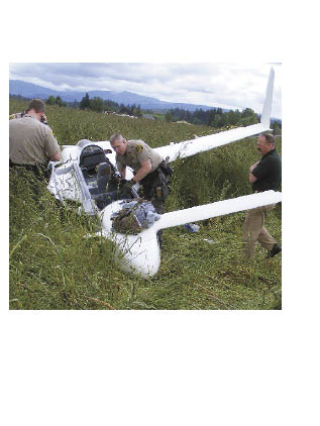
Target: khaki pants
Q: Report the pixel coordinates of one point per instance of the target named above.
(253, 231)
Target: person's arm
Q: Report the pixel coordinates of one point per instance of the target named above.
(122, 173)
(51, 146)
(252, 177)
(121, 168)
(145, 168)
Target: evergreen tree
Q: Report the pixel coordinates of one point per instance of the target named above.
(85, 102)
(111, 105)
(60, 102)
(248, 116)
(96, 104)
(169, 116)
(51, 100)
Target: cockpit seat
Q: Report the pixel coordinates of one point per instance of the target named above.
(100, 175)
(91, 156)
(103, 175)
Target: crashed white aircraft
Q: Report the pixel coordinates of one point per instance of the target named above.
(87, 174)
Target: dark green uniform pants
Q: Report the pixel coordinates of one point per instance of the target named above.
(155, 188)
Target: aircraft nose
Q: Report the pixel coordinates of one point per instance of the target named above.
(143, 257)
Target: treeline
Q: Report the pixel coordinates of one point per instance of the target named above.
(218, 118)
(56, 101)
(215, 117)
(99, 105)
(50, 101)
(19, 97)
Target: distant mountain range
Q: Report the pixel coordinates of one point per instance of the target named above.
(29, 90)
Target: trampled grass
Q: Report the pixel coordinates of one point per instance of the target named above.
(54, 265)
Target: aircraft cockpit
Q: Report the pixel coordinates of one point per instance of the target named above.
(99, 174)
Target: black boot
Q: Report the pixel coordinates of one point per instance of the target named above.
(275, 250)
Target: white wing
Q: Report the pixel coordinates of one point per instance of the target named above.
(204, 143)
(219, 208)
(141, 253)
(191, 147)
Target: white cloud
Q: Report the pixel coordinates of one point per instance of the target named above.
(227, 85)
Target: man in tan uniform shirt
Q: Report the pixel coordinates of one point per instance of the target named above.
(149, 168)
(31, 143)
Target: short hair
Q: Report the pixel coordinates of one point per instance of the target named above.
(116, 137)
(268, 137)
(37, 104)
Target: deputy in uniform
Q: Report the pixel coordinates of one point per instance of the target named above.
(31, 142)
(263, 175)
(150, 170)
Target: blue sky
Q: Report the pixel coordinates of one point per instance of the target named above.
(228, 85)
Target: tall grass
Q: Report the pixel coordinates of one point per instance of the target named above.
(55, 264)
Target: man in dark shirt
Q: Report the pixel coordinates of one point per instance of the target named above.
(264, 175)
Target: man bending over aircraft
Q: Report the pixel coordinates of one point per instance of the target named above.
(31, 141)
(264, 175)
(150, 170)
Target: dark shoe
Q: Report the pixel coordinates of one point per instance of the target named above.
(275, 250)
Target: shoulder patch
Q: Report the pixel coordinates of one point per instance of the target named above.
(139, 148)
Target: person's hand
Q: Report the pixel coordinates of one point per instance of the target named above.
(43, 118)
(128, 184)
(254, 166)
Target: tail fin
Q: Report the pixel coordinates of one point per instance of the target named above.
(266, 112)
(204, 143)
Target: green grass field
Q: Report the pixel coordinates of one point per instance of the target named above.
(53, 265)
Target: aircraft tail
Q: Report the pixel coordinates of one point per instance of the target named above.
(266, 112)
(204, 143)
